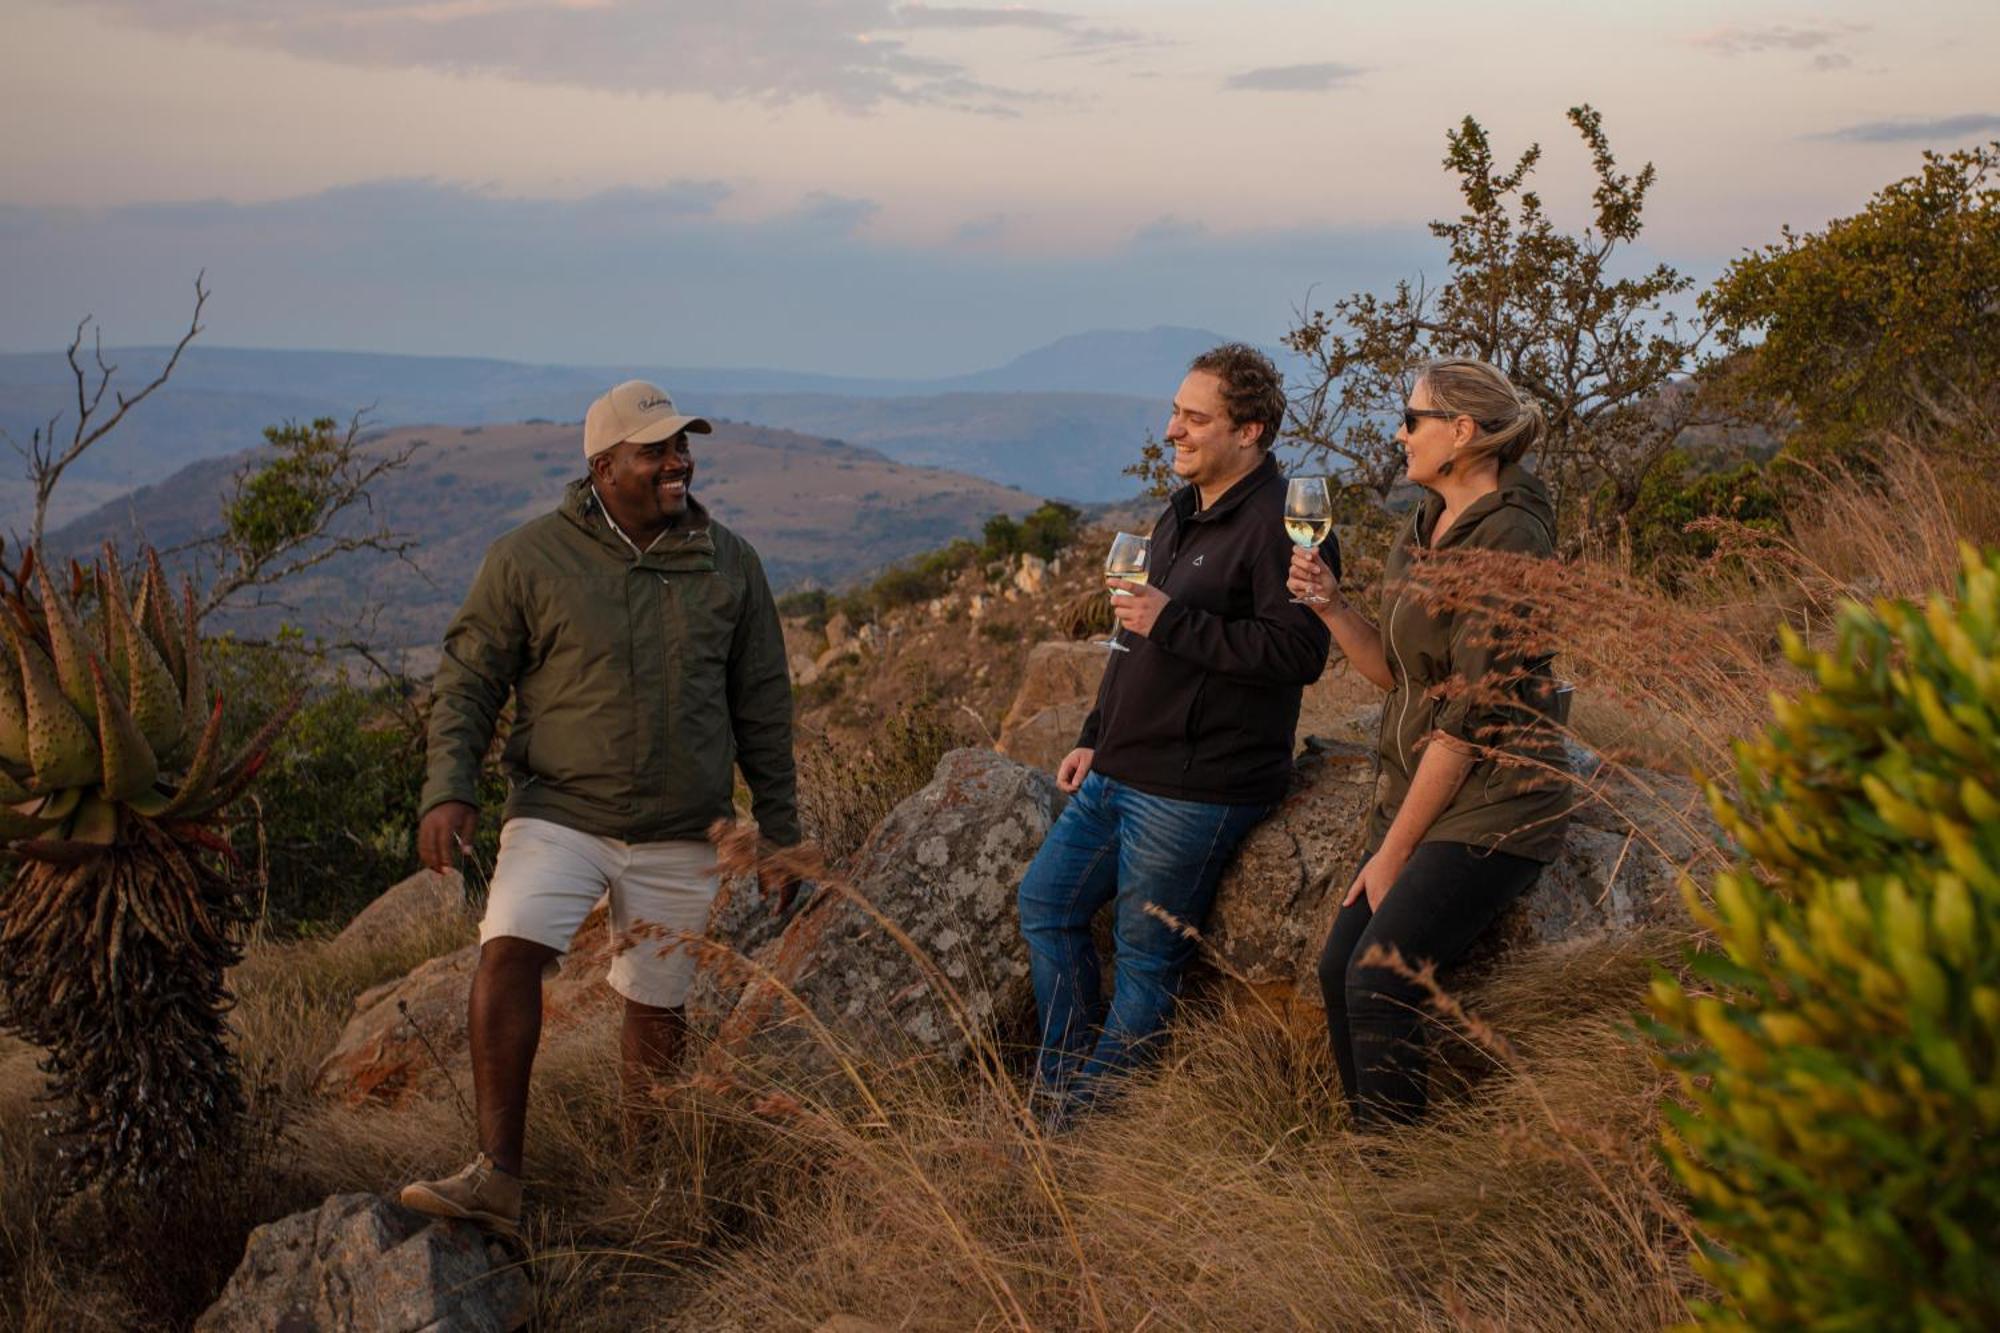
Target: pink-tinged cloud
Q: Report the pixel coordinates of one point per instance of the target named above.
(850, 53)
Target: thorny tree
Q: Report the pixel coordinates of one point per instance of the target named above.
(1603, 353)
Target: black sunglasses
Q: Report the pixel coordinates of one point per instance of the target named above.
(1411, 415)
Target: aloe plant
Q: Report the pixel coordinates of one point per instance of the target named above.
(125, 905)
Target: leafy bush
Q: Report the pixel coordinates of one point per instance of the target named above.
(1842, 1063)
(1884, 321)
(1044, 532)
(1677, 492)
(921, 579)
(337, 803)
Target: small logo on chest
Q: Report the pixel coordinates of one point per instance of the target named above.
(1198, 559)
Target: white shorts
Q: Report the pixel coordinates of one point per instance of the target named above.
(548, 877)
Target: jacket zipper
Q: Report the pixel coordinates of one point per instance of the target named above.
(1403, 673)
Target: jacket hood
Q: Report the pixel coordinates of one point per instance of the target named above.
(1520, 490)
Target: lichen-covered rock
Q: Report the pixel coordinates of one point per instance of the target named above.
(359, 1264)
(943, 869)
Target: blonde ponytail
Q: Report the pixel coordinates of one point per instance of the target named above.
(1510, 422)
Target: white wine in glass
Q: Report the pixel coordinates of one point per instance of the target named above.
(1308, 518)
(1127, 560)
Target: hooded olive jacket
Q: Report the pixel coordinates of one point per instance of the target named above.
(1447, 671)
(638, 679)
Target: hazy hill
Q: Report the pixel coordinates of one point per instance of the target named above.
(817, 510)
(1066, 417)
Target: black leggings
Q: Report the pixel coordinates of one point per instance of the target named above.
(1446, 897)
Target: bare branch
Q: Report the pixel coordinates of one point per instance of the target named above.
(45, 464)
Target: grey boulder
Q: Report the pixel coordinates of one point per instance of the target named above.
(359, 1264)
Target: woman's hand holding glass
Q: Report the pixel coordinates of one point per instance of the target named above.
(1310, 580)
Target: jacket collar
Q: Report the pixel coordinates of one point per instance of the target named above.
(689, 545)
(1519, 489)
(1188, 498)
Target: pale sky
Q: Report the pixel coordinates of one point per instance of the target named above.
(866, 186)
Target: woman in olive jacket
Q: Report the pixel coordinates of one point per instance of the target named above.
(1471, 800)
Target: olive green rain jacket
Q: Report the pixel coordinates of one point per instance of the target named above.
(638, 679)
(1443, 663)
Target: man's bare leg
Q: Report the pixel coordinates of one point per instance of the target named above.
(505, 1027)
(650, 1042)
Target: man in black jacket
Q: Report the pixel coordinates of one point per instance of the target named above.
(1190, 743)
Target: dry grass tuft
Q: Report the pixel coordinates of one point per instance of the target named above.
(1225, 1191)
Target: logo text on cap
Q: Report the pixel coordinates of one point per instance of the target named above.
(648, 404)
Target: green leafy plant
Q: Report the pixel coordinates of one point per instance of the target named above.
(1840, 1048)
(125, 906)
(1885, 321)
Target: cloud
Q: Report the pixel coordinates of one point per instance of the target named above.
(1819, 39)
(1916, 131)
(1734, 39)
(846, 52)
(1079, 37)
(662, 274)
(1319, 78)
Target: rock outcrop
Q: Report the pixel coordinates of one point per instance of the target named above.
(1057, 691)
(942, 868)
(940, 874)
(1629, 839)
(359, 1264)
(423, 897)
(408, 1037)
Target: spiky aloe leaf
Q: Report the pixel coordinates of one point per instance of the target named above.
(201, 769)
(13, 790)
(161, 620)
(130, 764)
(62, 749)
(96, 820)
(14, 824)
(194, 679)
(153, 698)
(69, 647)
(58, 804)
(13, 707)
(233, 779)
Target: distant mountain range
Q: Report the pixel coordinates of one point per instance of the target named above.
(1062, 420)
(817, 510)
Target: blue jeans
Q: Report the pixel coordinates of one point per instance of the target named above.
(1114, 842)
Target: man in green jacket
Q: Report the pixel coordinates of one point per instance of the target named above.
(641, 644)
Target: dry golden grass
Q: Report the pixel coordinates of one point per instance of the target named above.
(1225, 1192)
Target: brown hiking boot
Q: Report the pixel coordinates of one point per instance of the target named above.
(481, 1193)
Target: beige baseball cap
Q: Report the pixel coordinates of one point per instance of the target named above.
(635, 410)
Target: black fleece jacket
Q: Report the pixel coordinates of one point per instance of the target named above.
(1206, 706)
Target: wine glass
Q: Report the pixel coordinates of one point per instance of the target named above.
(1127, 560)
(1308, 518)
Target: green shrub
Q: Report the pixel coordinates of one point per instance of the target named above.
(1045, 532)
(812, 605)
(1841, 1141)
(336, 805)
(1677, 493)
(921, 579)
